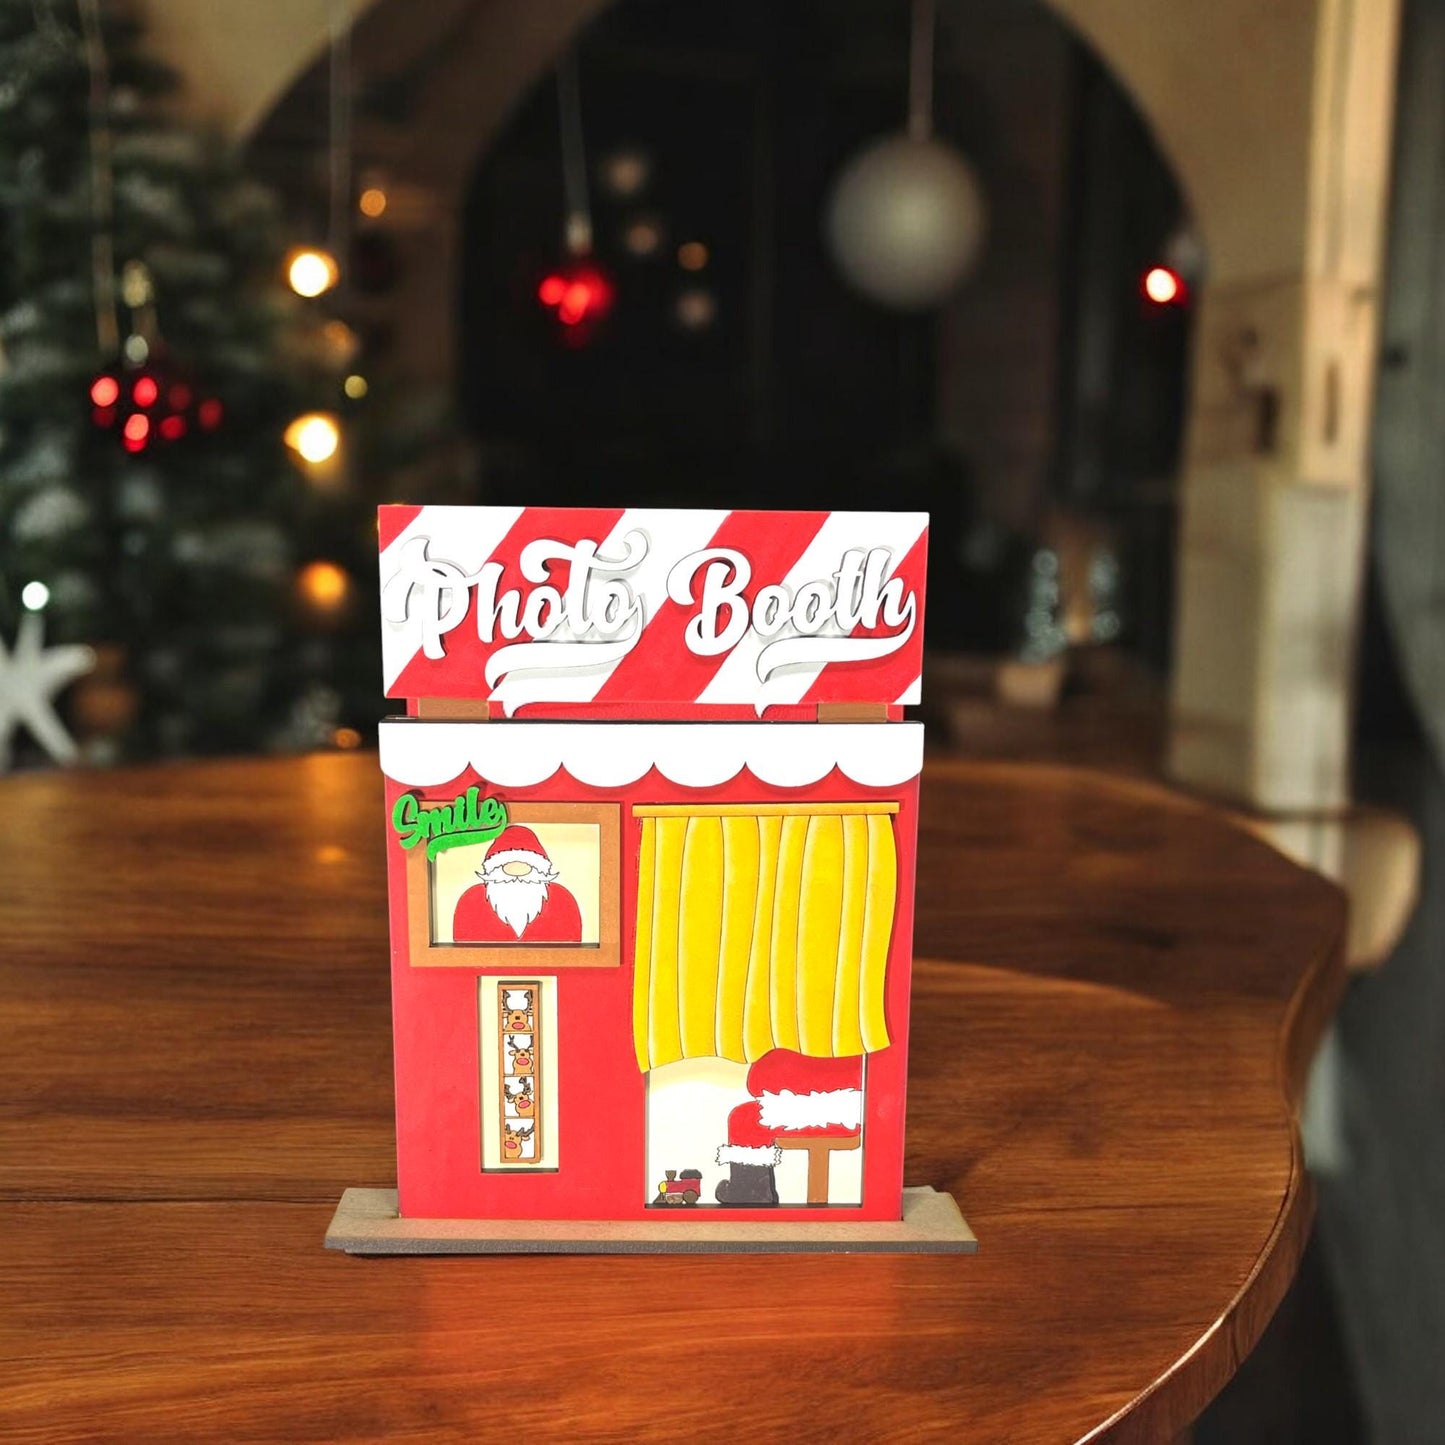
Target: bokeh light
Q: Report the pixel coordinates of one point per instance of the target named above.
(323, 586)
(314, 437)
(312, 272)
(1162, 286)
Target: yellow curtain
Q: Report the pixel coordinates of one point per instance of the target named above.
(762, 927)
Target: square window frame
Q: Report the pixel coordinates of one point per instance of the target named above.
(424, 952)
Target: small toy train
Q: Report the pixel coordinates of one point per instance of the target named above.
(683, 1189)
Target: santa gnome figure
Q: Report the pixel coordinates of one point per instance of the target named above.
(793, 1096)
(518, 899)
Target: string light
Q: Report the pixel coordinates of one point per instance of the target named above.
(342, 342)
(311, 272)
(643, 237)
(372, 202)
(314, 437)
(696, 309)
(145, 391)
(355, 386)
(625, 173)
(346, 738)
(136, 289)
(324, 586)
(105, 391)
(692, 256)
(1162, 286)
(34, 596)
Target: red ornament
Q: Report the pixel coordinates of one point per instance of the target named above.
(150, 404)
(135, 434)
(579, 294)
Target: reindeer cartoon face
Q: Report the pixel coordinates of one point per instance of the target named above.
(515, 1139)
(520, 1047)
(517, 1010)
(519, 1096)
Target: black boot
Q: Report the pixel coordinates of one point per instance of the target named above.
(749, 1184)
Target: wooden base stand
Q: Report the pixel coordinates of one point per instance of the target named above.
(366, 1222)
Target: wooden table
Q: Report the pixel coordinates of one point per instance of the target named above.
(1116, 994)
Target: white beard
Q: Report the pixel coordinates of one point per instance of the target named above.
(516, 901)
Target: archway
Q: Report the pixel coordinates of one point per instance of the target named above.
(1277, 120)
(797, 391)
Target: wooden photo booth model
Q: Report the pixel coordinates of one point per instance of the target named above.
(651, 818)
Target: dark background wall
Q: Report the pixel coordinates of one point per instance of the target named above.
(1043, 385)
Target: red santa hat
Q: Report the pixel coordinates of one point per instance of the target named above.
(516, 844)
(793, 1093)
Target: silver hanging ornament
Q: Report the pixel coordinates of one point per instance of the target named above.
(906, 219)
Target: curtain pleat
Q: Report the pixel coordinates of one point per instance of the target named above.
(847, 1024)
(664, 1034)
(820, 918)
(642, 960)
(757, 1013)
(783, 966)
(881, 894)
(699, 936)
(739, 905)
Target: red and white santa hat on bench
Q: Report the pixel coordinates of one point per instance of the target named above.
(793, 1094)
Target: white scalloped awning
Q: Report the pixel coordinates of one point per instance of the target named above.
(424, 754)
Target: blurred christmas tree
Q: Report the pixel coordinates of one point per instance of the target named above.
(150, 365)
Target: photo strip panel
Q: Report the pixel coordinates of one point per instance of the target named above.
(518, 1032)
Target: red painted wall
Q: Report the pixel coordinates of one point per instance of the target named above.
(601, 1107)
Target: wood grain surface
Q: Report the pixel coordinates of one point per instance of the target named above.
(1116, 995)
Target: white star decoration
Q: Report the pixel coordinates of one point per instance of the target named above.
(31, 676)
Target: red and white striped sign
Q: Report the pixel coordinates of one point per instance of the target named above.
(584, 611)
